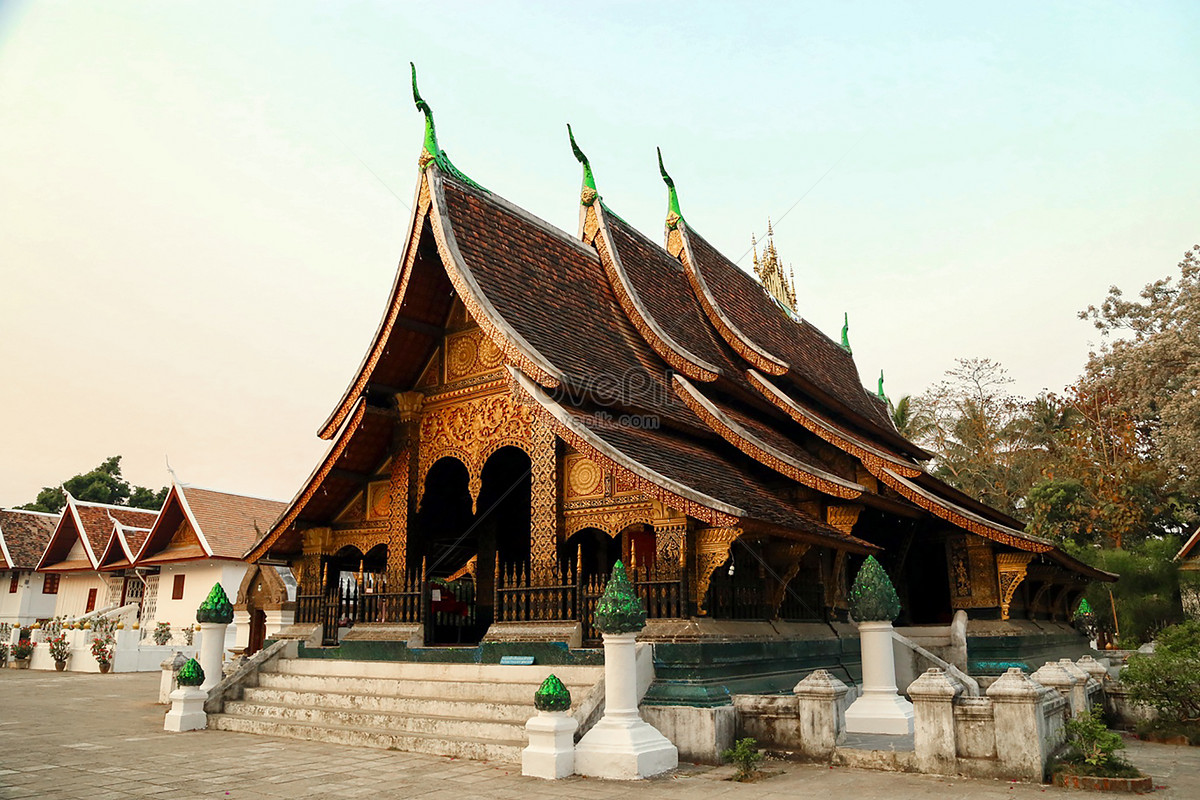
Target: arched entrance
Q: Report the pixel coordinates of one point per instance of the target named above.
(262, 590)
(462, 550)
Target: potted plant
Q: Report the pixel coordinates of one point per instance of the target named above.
(60, 650)
(21, 653)
(104, 644)
(103, 647)
(162, 633)
(1090, 760)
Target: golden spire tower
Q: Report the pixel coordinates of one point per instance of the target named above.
(774, 278)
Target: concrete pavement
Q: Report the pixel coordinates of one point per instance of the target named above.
(100, 737)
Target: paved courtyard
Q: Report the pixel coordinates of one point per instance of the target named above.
(65, 735)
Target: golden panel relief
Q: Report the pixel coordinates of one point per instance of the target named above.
(1010, 570)
(712, 549)
(470, 430)
(584, 477)
(379, 500)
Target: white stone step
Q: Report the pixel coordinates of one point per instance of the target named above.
(478, 691)
(457, 747)
(500, 712)
(386, 721)
(421, 671)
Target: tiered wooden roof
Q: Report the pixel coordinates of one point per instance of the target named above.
(739, 387)
(24, 536)
(200, 523)
(85, 531)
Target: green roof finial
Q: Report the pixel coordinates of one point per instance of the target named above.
(619, 610)
(430, 151)
(216, 607)
(587, 192)
(674, 216)
(846, 334)
(552, 696)
(879, 393)
(190, 674)
(872, 597)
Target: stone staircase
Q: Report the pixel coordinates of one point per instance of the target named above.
(475, 711)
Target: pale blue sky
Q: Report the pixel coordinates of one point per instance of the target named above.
(193, 258)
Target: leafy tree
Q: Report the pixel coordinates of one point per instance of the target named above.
(1100, 480)
(1147, 596)
(909, 420)
(974, 426)
(1168, 679)
(102, 484)
(1150, 362)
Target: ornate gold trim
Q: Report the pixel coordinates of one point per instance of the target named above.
(1010, 571)
(712, 549)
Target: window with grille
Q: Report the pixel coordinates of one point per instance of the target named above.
(13, 582)
(50, 584)
(91, 603)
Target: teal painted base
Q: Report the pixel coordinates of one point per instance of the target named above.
(992, 655)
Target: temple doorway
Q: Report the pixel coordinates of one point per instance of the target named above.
(463, 548)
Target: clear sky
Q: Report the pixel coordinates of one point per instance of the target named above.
(202, 203)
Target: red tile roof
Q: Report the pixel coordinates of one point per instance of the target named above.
(24, 536)
(225, 525)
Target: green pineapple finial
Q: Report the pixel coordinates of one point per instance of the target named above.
(1085, 608)
(872, 597)
(216, 607)
(587, 192)
(674, 215)
(619, 610)
(190, 674)
(552, 696)
(846, 334)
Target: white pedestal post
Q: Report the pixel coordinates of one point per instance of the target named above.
(880, 708)
(187, 709)
(551, 750)
(623, 746)
(212, 653)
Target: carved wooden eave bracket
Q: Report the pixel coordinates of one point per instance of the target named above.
(712, 550)
(514, 347)
(1011, 569)
(651, 483)
(676, 355)
(416, 223)
(761, 451)
(742, 344)
(872, 457)
(960, 517)
(311, 486)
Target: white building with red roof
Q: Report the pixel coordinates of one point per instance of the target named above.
(25, 597)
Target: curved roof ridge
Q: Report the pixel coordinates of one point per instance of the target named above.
(667, 347)
(745, 440)
(742, 344)
(507, 339)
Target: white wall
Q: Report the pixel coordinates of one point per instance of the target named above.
(73, 593)
(197, 583)
(27, 605)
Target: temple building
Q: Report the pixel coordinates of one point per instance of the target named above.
(199, 539)
(25, 597)
(89, 570)
(537, 404)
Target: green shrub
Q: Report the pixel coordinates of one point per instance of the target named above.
(746, 755)
(1168, 680)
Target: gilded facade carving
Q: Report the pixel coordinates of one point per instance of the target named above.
(843, 517)
(712, 550)
(972, 568)
(543, 520)
(471, 430)
(1010, 570)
